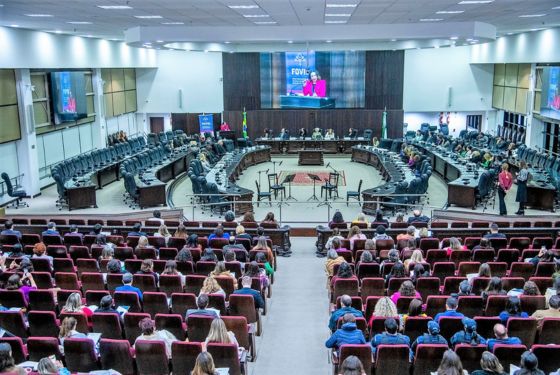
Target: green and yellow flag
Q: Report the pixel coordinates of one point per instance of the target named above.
(384, 124)
(245, 124)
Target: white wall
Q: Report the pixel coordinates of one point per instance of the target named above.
(40, 50)
(126, 122)
(197, 74)
(428, 74)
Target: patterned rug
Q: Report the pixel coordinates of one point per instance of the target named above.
(302, 178)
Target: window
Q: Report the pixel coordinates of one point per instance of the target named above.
(514, 127)
(474, 121)
(9, 113)
(552, 137)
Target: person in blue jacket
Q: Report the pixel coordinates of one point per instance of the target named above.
(468, 335)
(432, 337)
(346, 302)
(391, 336)
(347, 334)
(513, 310)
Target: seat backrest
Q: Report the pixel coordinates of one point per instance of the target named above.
(80, 355)
(198, 327)
(450, 325)
(548, 357)
(41, 300)
(416, 326)
(151, 357)
(12, 298)
(392, 359)
(116, 355)
(131, 329)
(12, 321)
(225, 355)
(363, 352)
(181, 302)
(108, 324)
(172, 323)
(470, 306)
(427, 358)
(155, 303)
(42, 323)
(41, 347)
(18, 350)
(524, 328)
(470, 355)
(183, 356)
(509, 354)
(243, 305)
(130, 299)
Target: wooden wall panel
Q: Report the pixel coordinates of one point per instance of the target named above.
(241, 81)
(188, 122)
(384, 79)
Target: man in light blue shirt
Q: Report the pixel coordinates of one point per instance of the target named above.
(127, 287)
(451, 309)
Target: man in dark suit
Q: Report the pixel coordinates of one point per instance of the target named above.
(136, 231)
(8, 229)
(202, 308)
(247, 290)
(51, 230)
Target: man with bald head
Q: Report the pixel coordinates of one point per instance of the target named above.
(417, 218)
(500, 332)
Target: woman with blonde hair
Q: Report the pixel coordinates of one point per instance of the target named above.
(68, 330)
(240, 233)
(219, 334)
(454, 245)
(181, 232)
(384, 308)
(262, 245)
(74, 305)
(355, 234)
(416, 258)
(211, 286)
(147, 268)
(361, 218)
(490, 365)
(220, 270)
(163, 232)
(204, 365)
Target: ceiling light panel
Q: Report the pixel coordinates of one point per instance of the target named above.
(337, 14)
(79, 22)
(38, 15)
(450, 12)
(341, 5)
(148, 17)
(243, 6)
(532, 15)
(115, 7)
(469, 2)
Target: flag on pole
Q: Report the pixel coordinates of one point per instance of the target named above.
(384, 124)
(245, 124)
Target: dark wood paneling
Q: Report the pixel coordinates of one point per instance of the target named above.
(337, 119)
(241, 81)
(188, 122)
(384, 79)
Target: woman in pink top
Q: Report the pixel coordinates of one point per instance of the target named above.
(406, 290)
(315, 86)
(355, 234)
(505, 180)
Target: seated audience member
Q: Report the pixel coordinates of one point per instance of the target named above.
(344, 272)
(229, 217)
(136, 231)
(219, 334)
(397, 271)
(74, 232)
(329, 135)
(337, 218)
(246, 290)
(192, 242)
(221, 270)
(262, 246)
(156, 217)
(51, 230)
(409, 235)
(415, 258)
(68, 331)
(375, 142)
(317, 135)
(361, 218)
(202, 307)
(211, 286)
(553, 310)
(348, 333)
(351, 366)
(106, 306)
(96, 230)
(40, 252)
(240, 233)
(163, 232)
(16, 251)
(101, 240)
(450, 364)
(384, 308)
(269, 219)
(249, 217)
(392, 257)
(465, 289)
(184, 255)
(208, 255)
(468, 335)
(181, 232)
(390, 336)
(454, 245)
(544, 255)
(147, 268)
(50, 366)
(399, 218)
(114, 266)
(253, 270)
(501, 337)
(369, 245)
(494, 288)
(261, 258)
(513, 310)
(218, 233)
(379, 219)
(127, 286)
(74, 305)
(450, 309)
(414, 309)
(432, 337)
(354, 234)
(418, 217)
(529, 289)
(494, 232)
(346, 308)
(529, 365)
(483, 245)
(149, 332)
(406, 290)
(418, 272)
(9, 229)
(335, 234)
(204, 365)
(483, 271)
(380, 233)
(171, 269)
(556, 273)
(24, 283)
(365, 258)
(352, 133)
(489, 365)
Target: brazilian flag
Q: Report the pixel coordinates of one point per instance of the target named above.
(384, 124)
(245, 124)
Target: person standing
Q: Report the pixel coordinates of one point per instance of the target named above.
(522, 178)
(505, 180)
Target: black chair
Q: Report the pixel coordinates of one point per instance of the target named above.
(331, 185)
(19, 194)
(354, 194)
(263, 194)
(274, 186)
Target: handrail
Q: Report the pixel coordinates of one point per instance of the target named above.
(17, 183)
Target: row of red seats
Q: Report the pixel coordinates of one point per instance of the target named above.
(453, 224)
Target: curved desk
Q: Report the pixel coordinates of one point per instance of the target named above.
(294, 145)
(230, 167)
(392, 169)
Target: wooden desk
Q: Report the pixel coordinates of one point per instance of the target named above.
(310, 157)
(152, 195)
(81, 197)
(294, 145)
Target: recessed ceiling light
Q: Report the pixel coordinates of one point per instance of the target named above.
(14, 25)
(1, 5)
(290, 41)
(39, 15)
(79, 22)
(58, 32)
(431, 19)
(532, 15)
(393, 40)
(328, 41)
(341, 5)
(148, 17)
(227, 42)
(265, 23)
(450, 12)
(256, 15)
(335, 21)
(509, 33)
(454, 38)
(114, 7)
(159, 41)
(468, 2)
(337, 14)
(243, 6)
(172, 23)
(469, 39)
(556, 8)
(436, 46)
(205, 51)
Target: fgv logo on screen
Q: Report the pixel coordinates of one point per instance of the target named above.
(297, 68)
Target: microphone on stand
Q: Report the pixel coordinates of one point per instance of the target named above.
(267, 170)
(280, 163)
(328, 164)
